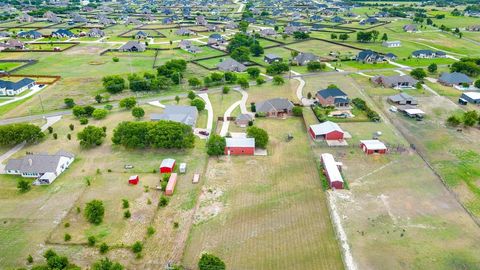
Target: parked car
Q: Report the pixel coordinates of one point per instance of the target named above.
(203, 132)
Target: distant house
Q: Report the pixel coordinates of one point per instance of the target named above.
(276, 107)
(304, 58)
(167, 20)
(133, 46)
(332, 171)
(332, 97)
(12, 44)
(428, 54)
(4, 34)
(25, 18)
(230, 64)
(410, 28)
(44, 167)
(187, 45)
(473, 28)
(132, 21)
(469, 97)
(8, 88)
(184, 32)
(317, 26)
(181, 114)
(141, 35)
(200, 20)
(454, 78)
(95, 32)
(403, 99)
(62, 33)
(212, 27)
(239, 146)
(326, 131)
(396, 81)
(337, 19)
(271, 58)
(267, 32)
(290, 30)
(373, 147)
(390, 56)
(392, 44)
(32, 34)
(243, 119)
(369, 56)
(231, 25)
(369, 20)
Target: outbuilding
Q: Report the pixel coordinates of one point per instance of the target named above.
(172, 181)
(373, 147)
(331, 169)
(469, 97)
(196, 178)
(326, 131)
(133, 180)
(167, 165)
(240, 146)
(183, 167)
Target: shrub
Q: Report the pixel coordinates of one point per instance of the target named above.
(150, 231)
(94, 212)
(99, 114)
(69, 103)
(50, 130)
(127, 214)
(138, 112)
(191, 95)
(210, 262)
(163, 201)
(23, 185)
(91, 136)
(200, 104)
(103, 248)
(29, 259)
(115, 59)
(216, 145)
(72, 127)
(69, 136)
(260, 81)
(106, 264)
(55, 136)
(226, 89)
(67, 225)
(83, 121)
(91, 241)
(297, 111)
(128, 103)
(137, 247)
(278, 80)
(125, 204)
(13, 134)
(453, 121)
(67, 237)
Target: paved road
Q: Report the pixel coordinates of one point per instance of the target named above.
(243, 108)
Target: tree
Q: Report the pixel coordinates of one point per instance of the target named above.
(216, 145)
(333, 36)
(384, 37)
(91, 136)
(277, 68)
(225, 90)
(23, 185)
(200, 104)
(69, 103)
(194, 82)
(78, 111)
(300, 35)
(453, 121)
(278, 80)
(256, 49)
(138, 112)
(241, 54)
(429, 21)
(103, 248)
(243, 82)
(137, 247)
(128, 103)
(477, 83)
(260, 136)
(210, 262)
(98, 98)
(254, 72)
(364, 36)
(191, 95)
(177, 99)
(243, 26)
(99, 114)
(297, 111)
(375, 35)
(114, 84)
(418, 73)
(470, 118)
(343, 37)
(13, 134)
(138, 83)
(432, 68)
(94, 212)
(106, 264)
(260, 81)
(315, 66)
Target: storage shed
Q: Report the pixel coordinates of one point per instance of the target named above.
(326, 131)
(167, 165)
(332, 171)
(240, 146)
(172, 181)
(133, 180)
(373, 146)
(196, 178)
(183, 167)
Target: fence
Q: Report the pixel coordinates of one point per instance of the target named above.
(55, 78)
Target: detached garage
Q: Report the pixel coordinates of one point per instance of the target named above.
(326, 131)
(240, 146)
(167, 165)
(373, 147)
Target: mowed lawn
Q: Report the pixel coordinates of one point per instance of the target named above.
(268, 212)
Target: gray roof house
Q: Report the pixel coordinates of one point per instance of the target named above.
(403, 99)
(270, 58)
(133, 46)
(396, 81)
(303, 58)
(8, 88)
(182, 114)
(230, 64)
(454, 78)
(46, 168)
(96, 32)
(410, 28)
(276, 107)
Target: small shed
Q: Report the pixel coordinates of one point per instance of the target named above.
(183, 168)
(196, 178)
(240, 146)
(326, 131)
(332, 171)
(373, 147)
(167, 165)
(172, 181)
(133, 180)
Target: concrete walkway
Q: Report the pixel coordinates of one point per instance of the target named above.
(209, 108)
(243, 108)
(398, 65)
(399, 72)
(156, 103)
(332, 67)
(299, 92)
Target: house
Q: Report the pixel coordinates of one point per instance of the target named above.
(231, 25)
(326, 131)
(403, 99)
(187, 45)
(469, 97)
(395, 81)
(200, 20)
(133, 46)
(243, 119)
(25, 18)
(132, 21)
(410, 28)
(337, 19)
(290, 30)
(30, 34)
(212, 27)
(332, 97)
(8, 88)
(172, 181)
(4, 34)
(304, 58)
(133, 180)
(428, 54)
(12, 44)
(473, 28)
(181, 114)
(239, 146)
(141, 35)
(369, 56)
(392, 44)
(331, 169)
(44, 167)
(230, 64)
(267, 32)
(317, 26)
(454, 78)
(95, 32)
(62, 33)
(390, 56)
(373, 147)
(369, 20)
(184, 32)
(276, 107)
(167, 165)
(271, 58)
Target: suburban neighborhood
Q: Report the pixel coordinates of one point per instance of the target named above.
(239, 134)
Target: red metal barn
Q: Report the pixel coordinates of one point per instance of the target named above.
(373, 147)
(326, 131)
(133, 180)
(240, 146)
(167, 165)
(331, 171)
(172, 181)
